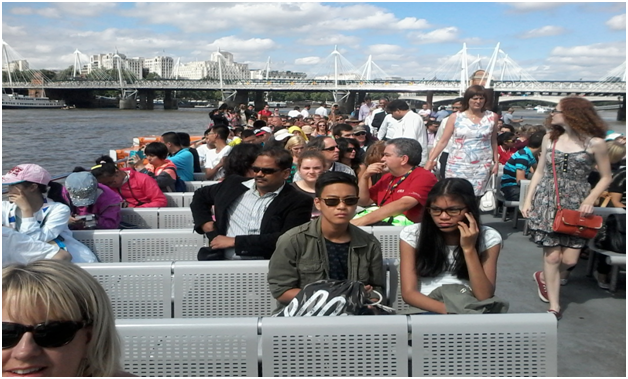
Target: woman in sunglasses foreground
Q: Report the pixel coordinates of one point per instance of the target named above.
(56, 321)
(449, 260)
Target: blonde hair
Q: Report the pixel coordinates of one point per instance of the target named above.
(616, 151)
(67, 293)
(294, 141)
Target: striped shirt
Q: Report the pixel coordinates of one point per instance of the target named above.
(521, 160)
(246, 213)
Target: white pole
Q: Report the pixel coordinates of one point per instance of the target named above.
(120, 73)
(505, 61)
(369, 68)
(6, 59)
(464, 72)
(491, 67)
(336, 65)
(267, 67)
(222, 89)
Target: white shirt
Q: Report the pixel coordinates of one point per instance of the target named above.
(411, 125)
(212, 158)
(410, 235)
(305, 113)
(56, 217)
(246, 213)
(439, 135)
(321, 111)
(424, 112)
(202, 150)
(294, 113)
(387, 128)
(20, 248)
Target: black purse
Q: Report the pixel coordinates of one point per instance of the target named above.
(612, 236)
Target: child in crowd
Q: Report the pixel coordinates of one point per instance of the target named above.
(506, 146)
(93, 205)
(519, 167)
(449, 260)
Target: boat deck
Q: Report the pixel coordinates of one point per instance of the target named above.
(592, 332)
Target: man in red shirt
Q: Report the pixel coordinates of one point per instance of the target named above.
(404, 187)
(265, 113)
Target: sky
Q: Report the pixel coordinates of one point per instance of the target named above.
(412, 40)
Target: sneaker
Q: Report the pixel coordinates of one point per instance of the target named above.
(556, 314)
(542, 290)
(563, 282)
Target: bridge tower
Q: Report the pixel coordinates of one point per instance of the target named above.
(76, 69)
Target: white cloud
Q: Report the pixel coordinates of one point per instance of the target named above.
(307, 61)
(524, 7)
(234, 44)
(600, 50)
(384, 49)
(409, 23)
(544, 31)
(85, 9)
(448, 34)
(617, 22)
(329, 40)
(22, 11)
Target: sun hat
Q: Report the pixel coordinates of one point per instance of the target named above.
(282, 134)
(28, 172)
(82, 187)
(307, 129)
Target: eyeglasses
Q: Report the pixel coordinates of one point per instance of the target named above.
(331, 148)
(434, 211)
(334, 201)
(555, 111)
(359, 134)
(265, 170)
(50, 334)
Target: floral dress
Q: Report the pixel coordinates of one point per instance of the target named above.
(572, 170)
(471, 155)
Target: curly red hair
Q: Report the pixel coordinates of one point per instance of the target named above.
(580, 115)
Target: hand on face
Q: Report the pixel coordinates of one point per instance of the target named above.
(18, 197)
(468, 232)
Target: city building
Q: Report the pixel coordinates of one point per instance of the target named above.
(161, 66)
(273, 74)
(220, 62)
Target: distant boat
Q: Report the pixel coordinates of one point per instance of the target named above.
(542, 109)
(15, 101)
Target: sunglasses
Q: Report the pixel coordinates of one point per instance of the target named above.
(265, 170)
(359, 134)
(350, 149)
(555, 111)
(434, 211)
(334, 201)
(331, 148)
(50, 334)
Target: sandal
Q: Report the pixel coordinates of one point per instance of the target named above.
(556, 314)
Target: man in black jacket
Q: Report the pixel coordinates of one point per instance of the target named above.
(251, 214)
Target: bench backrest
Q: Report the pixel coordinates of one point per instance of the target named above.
(484, 345)
(175, 218)
(136, 290)
(222, 289)
(159, 245)
(190, 347)
(104, 243)
(143, 218)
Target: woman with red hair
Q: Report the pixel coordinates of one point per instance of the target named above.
(575, 144)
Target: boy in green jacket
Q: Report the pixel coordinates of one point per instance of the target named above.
(329, 247)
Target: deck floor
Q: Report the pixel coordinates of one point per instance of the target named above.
(592, 332)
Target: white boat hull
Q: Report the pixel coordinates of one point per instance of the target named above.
(27, 102)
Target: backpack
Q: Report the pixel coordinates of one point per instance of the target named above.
(612, 236)
(179, 184)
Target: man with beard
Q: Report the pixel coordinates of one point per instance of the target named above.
(250, 214)
(402, 190)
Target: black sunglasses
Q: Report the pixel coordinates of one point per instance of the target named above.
(265, 170)
(334, 201)
(331, 148)
(359, 133)
(49, 334)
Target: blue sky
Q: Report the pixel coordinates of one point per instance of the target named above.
(563, 41)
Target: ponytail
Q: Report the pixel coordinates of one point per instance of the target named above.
(105, 166)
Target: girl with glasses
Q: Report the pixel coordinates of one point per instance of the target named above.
(57, 321)
(320, 129)
(450, 247)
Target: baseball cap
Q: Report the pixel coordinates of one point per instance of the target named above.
(82, 187)
(612, 136)
(282, 134)
(263, 130)
(28, 172)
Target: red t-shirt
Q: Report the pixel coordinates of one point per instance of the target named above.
(265, 113)
(417, 185)
(504, 155)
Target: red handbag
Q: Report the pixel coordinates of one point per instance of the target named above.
(572, 222)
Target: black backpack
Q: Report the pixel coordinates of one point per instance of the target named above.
(612, 236)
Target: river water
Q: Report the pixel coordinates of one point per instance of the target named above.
(59, 140)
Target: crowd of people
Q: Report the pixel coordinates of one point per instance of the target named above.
(294, 189)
